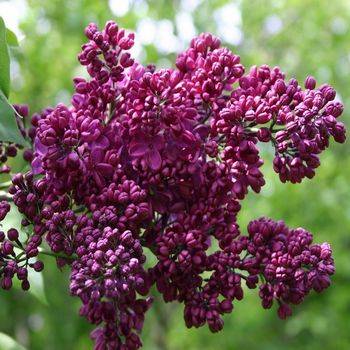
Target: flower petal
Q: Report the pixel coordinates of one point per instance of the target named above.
(158, 142)
(37, 165)
(104, 169)
(153, 159)
(39, 147)
(138, 149)
(97, 155)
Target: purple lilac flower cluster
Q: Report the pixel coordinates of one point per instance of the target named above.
(155, 162)
(289, 263)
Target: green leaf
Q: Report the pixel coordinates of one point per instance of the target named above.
(4, 61)
(37, 285)
(7, 343)
(11, 38)
(8, 126)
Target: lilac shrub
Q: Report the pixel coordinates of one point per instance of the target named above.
(156, 162)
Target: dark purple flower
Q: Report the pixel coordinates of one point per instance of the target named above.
(159, 161)
(148, 148)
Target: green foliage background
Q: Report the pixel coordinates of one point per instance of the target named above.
(308, 37)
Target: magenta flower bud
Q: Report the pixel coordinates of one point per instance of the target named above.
(25, 285)
(73, 160)
(264, 135)
(7, 248)
(28, 155)
(263, 118)
(164, 251)
(98, 255)
(6, 283)
(11, 151)
(89, 283)
(111, 28)
(38, 266)
(12, 234)
(226, 306)
(326, 251)
(90, 30)
(284, 311)
(31, 253)
(310, 83)
(280, 86)
(329, 93)
(4, 209)
(113, 260)
(252, 281)
(17, 179)
(81, 87)
(22, 273)
(95, 268)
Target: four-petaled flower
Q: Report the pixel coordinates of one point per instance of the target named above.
(148, 148)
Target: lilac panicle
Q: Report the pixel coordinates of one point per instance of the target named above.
(158, 161)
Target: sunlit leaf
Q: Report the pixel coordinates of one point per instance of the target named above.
(4, 61)
(11, 38)
(7, 343)
(37, 286)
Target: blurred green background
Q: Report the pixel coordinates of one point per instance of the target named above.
(302, 37)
